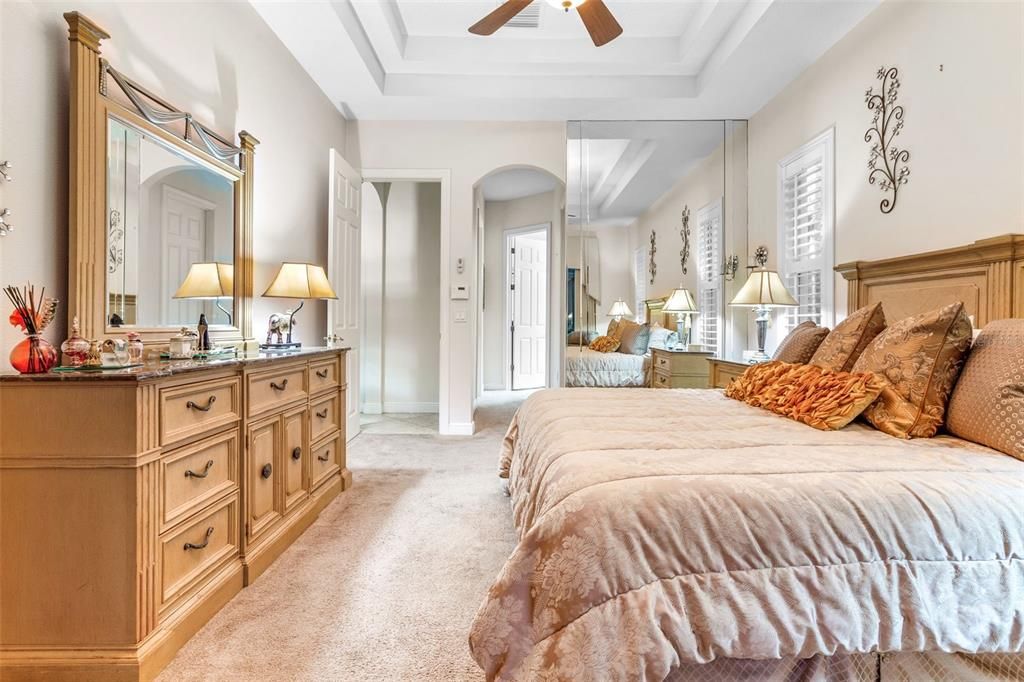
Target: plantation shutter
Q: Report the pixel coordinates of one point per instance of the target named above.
(805, 232)
(639, 284)
(709, 284)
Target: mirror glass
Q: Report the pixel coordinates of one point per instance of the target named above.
(654, 207)
(170, 218)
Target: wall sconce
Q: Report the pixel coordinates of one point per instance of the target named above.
(730, 266)
(5, 225)
(760, 257)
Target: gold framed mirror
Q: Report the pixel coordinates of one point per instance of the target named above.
(160, 224)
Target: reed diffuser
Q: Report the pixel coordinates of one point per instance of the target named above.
(34, 354)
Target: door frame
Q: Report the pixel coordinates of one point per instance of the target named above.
(444, 177)
(506, 309)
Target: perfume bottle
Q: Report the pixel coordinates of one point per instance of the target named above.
(135, 348)
(75, 349)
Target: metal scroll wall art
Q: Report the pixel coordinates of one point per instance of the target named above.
(887, 165)
(684, 233)
(164, 114)
(6, 227)
(652, 267)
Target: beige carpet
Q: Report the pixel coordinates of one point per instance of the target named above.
(386, 582)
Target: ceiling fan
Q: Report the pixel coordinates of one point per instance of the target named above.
(596, 17)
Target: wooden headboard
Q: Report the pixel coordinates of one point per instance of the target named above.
(655, 314)
(988, 276)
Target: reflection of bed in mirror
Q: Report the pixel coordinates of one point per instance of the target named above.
(586, 368)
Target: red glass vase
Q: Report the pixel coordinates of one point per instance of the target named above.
(33, 355)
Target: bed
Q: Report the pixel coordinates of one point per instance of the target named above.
(682, 535)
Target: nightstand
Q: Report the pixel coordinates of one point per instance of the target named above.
(724, 371)
(679, 368)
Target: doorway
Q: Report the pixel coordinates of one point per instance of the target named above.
(526, 284)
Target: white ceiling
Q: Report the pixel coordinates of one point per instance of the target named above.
(516, 183)
(415, 59)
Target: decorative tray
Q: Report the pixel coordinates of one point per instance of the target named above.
(101, 368)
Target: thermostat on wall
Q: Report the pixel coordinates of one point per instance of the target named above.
(460, 293)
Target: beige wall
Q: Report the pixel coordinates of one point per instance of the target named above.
(960, 64)
(498, 217)
(469, 151)
(216, 60)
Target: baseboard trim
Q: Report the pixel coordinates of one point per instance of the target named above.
(409, 408)
(373, 408)
(460, 429)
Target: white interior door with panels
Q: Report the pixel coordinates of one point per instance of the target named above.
(185, 241)
(343, 246)
(710, 321)
(805, 219)
(527, 272)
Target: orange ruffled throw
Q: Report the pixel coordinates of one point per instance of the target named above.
(822, 398)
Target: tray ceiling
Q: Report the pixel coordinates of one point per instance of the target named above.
(415, 60)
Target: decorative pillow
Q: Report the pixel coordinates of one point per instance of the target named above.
(987, 406)
(847, 341)
(920, 358)
(615, 328)
(799, 345)
(662, 337)
(634, 337)
(577, 337)
(604, 344)
(822, 398)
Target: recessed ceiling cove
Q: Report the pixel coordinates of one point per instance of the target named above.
(415, 59)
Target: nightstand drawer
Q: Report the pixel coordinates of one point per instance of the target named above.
(662, 362)
(661, 380)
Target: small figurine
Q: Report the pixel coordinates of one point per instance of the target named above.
(203, 330)
(93, 359)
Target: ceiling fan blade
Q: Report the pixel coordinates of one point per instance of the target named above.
(599, 21)
(499, 17)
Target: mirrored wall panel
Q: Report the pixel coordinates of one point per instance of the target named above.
(657, 213)
(170, 234)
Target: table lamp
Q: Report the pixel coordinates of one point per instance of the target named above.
(620, 310)
(209, 281)
(302, 281)
(682, 304)
(762, 292)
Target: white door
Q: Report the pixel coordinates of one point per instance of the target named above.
(184, 237)
(528, 297)
(343, 271)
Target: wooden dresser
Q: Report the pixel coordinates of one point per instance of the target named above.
(679, 369)
(134, 504)
(724, 371)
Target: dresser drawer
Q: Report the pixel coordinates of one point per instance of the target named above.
(325, 416)
(326, 459)
(269, 390)
(661, 379)
(663, 362)
(188, 555)
(193, 409)
(194, 475)
(324, 375)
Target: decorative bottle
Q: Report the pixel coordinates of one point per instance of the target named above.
(75, 349)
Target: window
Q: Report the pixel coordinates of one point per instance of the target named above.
(805, 200)
(709, 283)
(640, 284)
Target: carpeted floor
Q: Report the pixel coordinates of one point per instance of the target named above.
(386, 582)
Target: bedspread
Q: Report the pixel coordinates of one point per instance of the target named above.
(665, 527)
(585, 368)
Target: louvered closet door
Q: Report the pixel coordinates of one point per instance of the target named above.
(710, 321)
(805, 232)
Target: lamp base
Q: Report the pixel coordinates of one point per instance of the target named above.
(280, 347)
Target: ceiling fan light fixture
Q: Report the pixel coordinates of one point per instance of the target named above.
(565, 4)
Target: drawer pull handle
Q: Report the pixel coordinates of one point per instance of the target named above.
(297, 453)
(266, 470)
(326, 457)
(322, 415)
(202, 408)
(206, 471)
(322, 373)
(206, 541)
(279, 386)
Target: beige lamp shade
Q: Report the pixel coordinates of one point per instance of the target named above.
(300, 280)
(208, 280)
(764, 289)
(620, 309)
(681, 301)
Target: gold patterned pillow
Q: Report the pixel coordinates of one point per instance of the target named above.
(604, 344)
(987, 406)
(800, 344)
(821, 398)
(847, 341)
(920, 358)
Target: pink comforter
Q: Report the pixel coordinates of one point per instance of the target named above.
(659, 527)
